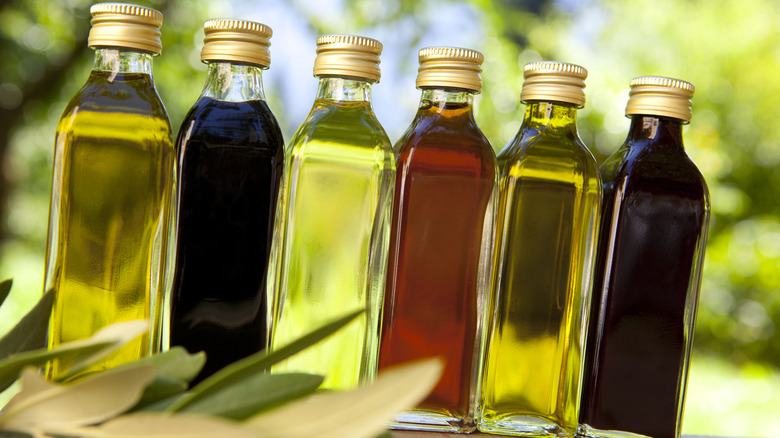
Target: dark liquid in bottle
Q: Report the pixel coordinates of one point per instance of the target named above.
(230, 166)
(445, 177)
(635, 354)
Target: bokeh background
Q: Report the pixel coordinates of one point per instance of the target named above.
(729, 50)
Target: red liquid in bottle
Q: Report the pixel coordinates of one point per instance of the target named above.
(445, 179)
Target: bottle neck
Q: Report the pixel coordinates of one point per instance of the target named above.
(551, 116)
(117, 60)
(649, 130)
(344, 90)
(234, 82)
(446, 98)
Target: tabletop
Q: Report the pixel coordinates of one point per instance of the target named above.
(408, 434)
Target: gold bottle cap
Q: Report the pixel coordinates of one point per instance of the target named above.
(555, 81)
(348, 56)
(450, 67)
(660, 96)
(125, 25)
(240, 41)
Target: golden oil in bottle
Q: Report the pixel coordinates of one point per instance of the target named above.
(111, 192)
(331, 243)
(548, 215)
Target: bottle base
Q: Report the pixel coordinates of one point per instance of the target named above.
(523, 426)
(432, 421)
(586, 431)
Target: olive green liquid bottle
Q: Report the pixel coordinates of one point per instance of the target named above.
(548, 214)
(333, 223)
(111, 192)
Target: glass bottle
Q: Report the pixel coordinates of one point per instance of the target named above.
(439, 263)
(230, 151)
(112, 187)
(548, 215)
(333, 223)
(648, 271)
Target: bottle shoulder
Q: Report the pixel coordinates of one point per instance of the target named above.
(235, 124)
(437, 132)
(119, 93)
(648, 169)
(533, 149)
(613, 164)
(126, 108)
(436, 147)
(353, 124)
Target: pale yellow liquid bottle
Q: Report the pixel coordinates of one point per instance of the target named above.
(548, 214)
(111, 191)
(332, 230)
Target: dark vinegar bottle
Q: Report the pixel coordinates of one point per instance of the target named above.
(438, 269)
(656, 211)
(230, 158)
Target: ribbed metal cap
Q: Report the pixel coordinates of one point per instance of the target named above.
(348, 56)
(450, 67)
(555, 81)
(125, 25)
(240, 41)
(660, 96)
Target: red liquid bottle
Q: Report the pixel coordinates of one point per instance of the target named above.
(437, 274)
(648, 272)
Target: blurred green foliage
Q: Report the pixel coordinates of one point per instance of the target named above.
(729, 50)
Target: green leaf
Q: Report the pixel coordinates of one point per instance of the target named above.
(30, 385)
(160, 389)
(174, 369)
(11, 368)
(363, 412)
(30, 332)
(175, 363)
(255, 394)
(86, 351)
(43, 406)
(5, 289)
(161, 405)
(153, 424)
(178, 363)
(258, 362)
(118, 333)
(12, 434)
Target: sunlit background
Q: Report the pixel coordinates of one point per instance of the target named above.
(729, 50)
